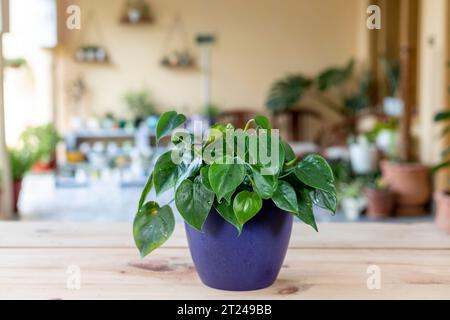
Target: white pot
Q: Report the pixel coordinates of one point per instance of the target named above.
(134, 15)
(352, 208)
(393, 106)
(363, 157)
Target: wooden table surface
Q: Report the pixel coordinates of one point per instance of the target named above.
(36, 259)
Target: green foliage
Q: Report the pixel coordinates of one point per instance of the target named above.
(41, 141)
(21, 161)
(139, 103)
(210, 111)
(392, 72)
(286, 93)
(232, 185)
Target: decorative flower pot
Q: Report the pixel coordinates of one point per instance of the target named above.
(393, 106)
(380, 203)
(250, 261)
(134, 15)
(443, 210)
(363, 157)
(411, 184)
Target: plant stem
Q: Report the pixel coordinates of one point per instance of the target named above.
(249, 122)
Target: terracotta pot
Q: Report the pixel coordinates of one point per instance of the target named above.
(442, 200)
(380, 203)
(43, 167)
(17, 187)
(411, 184)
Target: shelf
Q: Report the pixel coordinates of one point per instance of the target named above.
(143, 21)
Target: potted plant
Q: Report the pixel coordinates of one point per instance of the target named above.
(238, 212)
(380, 200)
(21, 161)
(442, 198)
(363, 154)
(351, 199)
(136, 11)
(211, 112)
(140, 105)
(41, 141)
(393, 105)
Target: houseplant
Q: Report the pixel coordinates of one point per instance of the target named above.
(351, 199)
(234, 203)
(140, 104)
(380, 200)
(21, 161)
(363, 154)
(393, 105)
(41, 141)
(442, 198)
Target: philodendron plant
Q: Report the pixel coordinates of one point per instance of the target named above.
(232, 170)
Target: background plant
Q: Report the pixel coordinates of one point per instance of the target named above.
(140, 103)
(21, 161)
(41, 141)
(236, 190)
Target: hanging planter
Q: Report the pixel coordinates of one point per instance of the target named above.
(178, 57)
(92, 51)
(136, 12)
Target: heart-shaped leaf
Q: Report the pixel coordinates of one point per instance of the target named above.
(225, 178)
(205, 178)
(165, 173)
(264, 185)
(153, 225)
(325, 200)
(314, 171)
(285, 198)
(194, 202)
(167, 122)
(246, 205)
(227, 212)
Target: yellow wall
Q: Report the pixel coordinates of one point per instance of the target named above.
(258, 42)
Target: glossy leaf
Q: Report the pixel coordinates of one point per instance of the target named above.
(265, 185)
(225, 178)
(305, 208)
(443, 115)
(165, 173)
(146, 191)
(194, 202)
(205, 178)
(262, 122)
(285, 198)
(152, 226)
(167, 122)
(314, 171)
(289, 153)
(226, 211)
(246, 205)
(324, 199)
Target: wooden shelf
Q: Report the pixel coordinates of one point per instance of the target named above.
(143, 21)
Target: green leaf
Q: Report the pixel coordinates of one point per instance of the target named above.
(227, 213)
(440, 166)
(443, 115)
(262, 122)
(152, 227)
(264, 185)
(165, 173)
(146, 191)
(194, 202)
(205, 179)
(290, 154)
(246, 205)
(167, 122)
(188, 171)
(305, 208)
(335, 76)
(315, 172)
(285, 198)
(445, 152)
(323, 199)
(225, 178)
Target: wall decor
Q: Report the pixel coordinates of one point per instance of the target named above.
(177, 56)
(136, 12)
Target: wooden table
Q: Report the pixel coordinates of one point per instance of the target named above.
(414, 261)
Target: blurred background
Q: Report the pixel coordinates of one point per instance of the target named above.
(363, 82)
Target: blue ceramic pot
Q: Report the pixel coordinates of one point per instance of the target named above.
(250, 261)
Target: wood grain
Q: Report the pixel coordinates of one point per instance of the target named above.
(414, 261)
